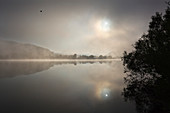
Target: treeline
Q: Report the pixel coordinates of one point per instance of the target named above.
(75, 56)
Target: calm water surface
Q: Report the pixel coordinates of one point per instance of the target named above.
(62, 87)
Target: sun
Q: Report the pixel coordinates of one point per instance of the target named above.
(104, 25)
(103, 28)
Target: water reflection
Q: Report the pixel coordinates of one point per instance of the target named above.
(150, 93)
(14, 68)
(80, 88)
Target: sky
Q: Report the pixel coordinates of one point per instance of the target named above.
(78, 26)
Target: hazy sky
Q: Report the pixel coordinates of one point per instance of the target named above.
(77, 26)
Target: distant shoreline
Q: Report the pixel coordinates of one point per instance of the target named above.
(57, 60)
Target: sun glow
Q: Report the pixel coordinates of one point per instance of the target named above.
(104, 25)
(103, 28)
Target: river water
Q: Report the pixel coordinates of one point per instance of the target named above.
(63, 87)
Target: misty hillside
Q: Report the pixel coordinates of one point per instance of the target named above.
(14, 50)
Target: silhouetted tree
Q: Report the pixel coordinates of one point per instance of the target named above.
(101, 57)
(74, 56)
(148, 68)
(91, 57)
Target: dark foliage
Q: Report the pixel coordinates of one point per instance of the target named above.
(148, 68)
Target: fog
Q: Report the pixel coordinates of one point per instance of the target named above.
(69, 26)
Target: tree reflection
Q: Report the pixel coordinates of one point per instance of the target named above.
(18, 68)
(148, 68)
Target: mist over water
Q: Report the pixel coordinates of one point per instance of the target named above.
(64, 87)
(84, 56)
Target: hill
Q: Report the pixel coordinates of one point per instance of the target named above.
(15, 50)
